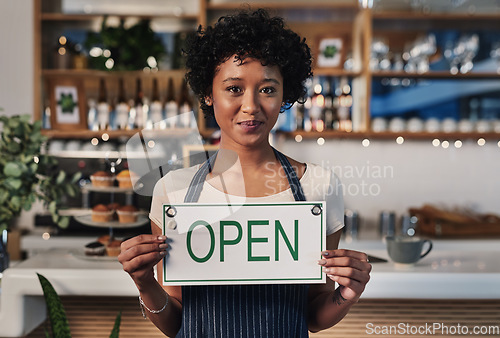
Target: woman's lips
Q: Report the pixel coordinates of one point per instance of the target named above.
(250, 125)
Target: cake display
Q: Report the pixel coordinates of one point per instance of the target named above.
(101, 179)
(101, 213)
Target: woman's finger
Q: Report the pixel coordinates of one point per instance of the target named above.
(141, 249)
(347, 272)
(142, 239)
(143, 262)
(345, 253)
(346, 262)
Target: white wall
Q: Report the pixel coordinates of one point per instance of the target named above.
(17, 61)
(395, 177)
(16, 56)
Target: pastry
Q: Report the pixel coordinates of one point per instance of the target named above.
(124, 178)
(95, 249)
(101, 213)
(113, 207)
(104, 239)
(113, 248)
(127, 214)
(101, 179)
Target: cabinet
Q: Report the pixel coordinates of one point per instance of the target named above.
(359, 27)
(52, 68)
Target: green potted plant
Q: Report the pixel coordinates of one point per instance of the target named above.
(28, 174)
(129, 47)
(57, 315)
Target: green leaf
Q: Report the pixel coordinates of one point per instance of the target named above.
(55, 218)
(6, 129)
(13, 183)
(4, 195)
(57, 314)
(14, 122)
(53, 207)
(33, 167)
(61, 177)
(76, 177)
(25, 118)
(27, 205)
(115, 333)
(63, 222)
(71, 190)
(12, 169)
(13, 147)
(16, 202)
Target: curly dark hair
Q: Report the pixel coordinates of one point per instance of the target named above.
(248, 34)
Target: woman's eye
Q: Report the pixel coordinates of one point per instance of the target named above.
(268, 90)
(234, 89)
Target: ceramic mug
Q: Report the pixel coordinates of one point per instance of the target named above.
(406, 250)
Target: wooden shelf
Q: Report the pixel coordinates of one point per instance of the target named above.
(335, 72)
(401, 15)
(436, 75)
(114, 134)
(111, 73)
(393, 136)
(90, 17)
(285, 5)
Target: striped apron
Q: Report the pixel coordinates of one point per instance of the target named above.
(244, 310)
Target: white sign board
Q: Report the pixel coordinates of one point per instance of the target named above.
(275, 243)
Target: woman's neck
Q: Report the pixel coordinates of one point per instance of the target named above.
(244, 158)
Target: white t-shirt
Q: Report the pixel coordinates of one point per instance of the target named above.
(318, 184)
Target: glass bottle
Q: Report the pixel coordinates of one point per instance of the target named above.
(344, 105)
(122, 107)
(317, 104)
(103, 108)
(156, 111)
(185, 107)
(139, 118)
(171, 106)
(328, 114)
(307, 122)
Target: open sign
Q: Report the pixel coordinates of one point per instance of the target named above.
(244, 243)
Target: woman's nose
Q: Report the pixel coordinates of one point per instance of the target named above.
(250, 103)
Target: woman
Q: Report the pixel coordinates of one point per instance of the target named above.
(245, 70)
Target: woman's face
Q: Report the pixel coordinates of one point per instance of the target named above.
(246, 98)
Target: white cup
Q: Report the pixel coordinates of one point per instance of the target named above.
(432, 125)
(415, 125)
(379, 124)
(397, 124)
(465, 126)
(496, 126)
(484, 126)
(73, 145)
(449, 125)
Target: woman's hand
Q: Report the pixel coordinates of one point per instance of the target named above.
(350, 269)
(140, 254)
